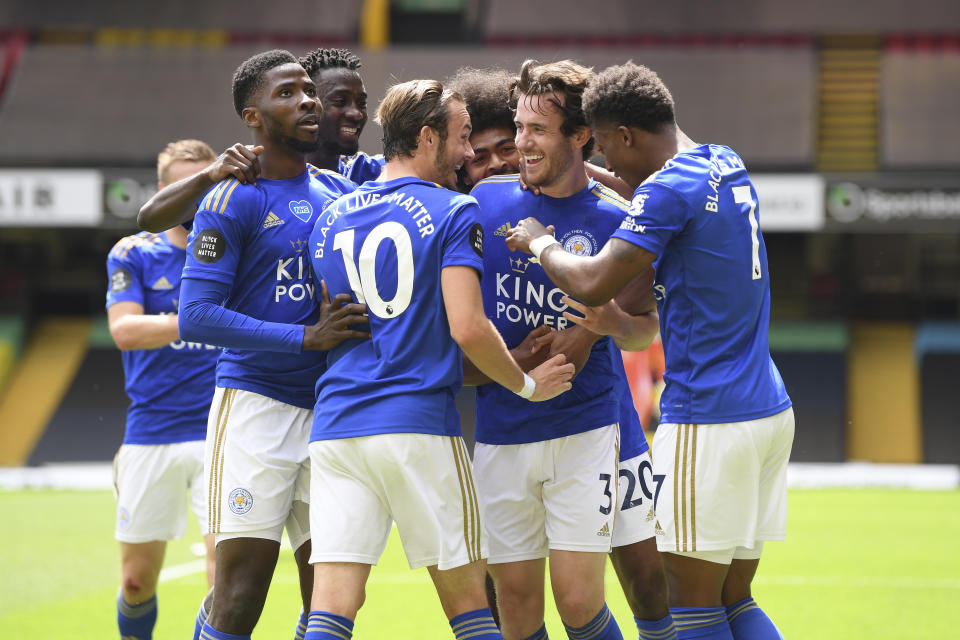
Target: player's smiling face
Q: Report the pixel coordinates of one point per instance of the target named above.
(546, 153)
(494, 153)
(344, 102)
(455, 150)
(289, 109)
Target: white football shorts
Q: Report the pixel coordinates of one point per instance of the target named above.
(555, 494)
(258, 467)
(635, 492)
(724, 486)
(422, 482)
(153, 484)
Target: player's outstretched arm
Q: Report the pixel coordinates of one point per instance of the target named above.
(532, 352)
(593, 280)
(480, 341)
(177, 203)
(203, 318)
(335, 321)
(132, 329)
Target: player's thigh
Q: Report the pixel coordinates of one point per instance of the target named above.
(429, 486)
(636, 490)
(580, 496)
(776, 432)
(151, 483)
(708, 500)
(349, 517)
(509, 481)
(255, 456)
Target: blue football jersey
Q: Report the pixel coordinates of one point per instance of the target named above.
(360, 167)
(254, 238)
(170, 388)
(386, 243)
(518, 297)
(700, 216)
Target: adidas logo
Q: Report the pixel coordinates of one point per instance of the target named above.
(502, 230)
(162, 284)
(657, 529)
(650, 515)
(604, 531)
(273, 220)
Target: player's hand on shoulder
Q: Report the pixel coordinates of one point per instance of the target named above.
(552, 377)
(523, 185)
(239, 161)
(336, 319)
(526, 231)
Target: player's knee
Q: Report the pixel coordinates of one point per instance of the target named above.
(239, 604)
(647, 592)
(137, 587)
(578, 606)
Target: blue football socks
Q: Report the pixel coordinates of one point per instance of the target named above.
(602, 627)
(476, 625)
(749, 622)
(703, 623)
(136, 621)
(662, 629)
(323, 625)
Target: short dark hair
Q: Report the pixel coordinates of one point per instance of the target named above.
(486, 93)
(248, 78)
(407, 108)
(320, 59)
(629, 94)
(565, 77)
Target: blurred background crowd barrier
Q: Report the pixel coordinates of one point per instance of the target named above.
(846, 113)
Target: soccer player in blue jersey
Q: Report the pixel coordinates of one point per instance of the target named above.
(170, 384)
(248, 286)
(548, 474)
(344, 100)
(343, 114)
(726, 421)
(386, 442)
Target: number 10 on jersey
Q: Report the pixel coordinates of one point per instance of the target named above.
(362, 272)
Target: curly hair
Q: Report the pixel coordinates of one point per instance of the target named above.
(629, 94)
(407, 108)
(486, 93)
(564, 77)
(320, 59)
(248, 78)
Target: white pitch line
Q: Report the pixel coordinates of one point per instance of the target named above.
(178, 571)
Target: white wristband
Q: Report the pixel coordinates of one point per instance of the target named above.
(529, 386)
(541, 243)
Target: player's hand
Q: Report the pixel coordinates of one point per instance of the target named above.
(526, 231)
(604, 320)
(523, 185)
(239, 161)
(534, 349)
(336, 317)
(576, 345)
(552, 378)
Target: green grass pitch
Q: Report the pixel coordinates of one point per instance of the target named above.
(877, 564)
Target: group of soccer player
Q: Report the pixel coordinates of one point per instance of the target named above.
(350, 296)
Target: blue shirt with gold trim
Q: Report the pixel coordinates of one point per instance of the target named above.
(700, 216)
(170, 387)
(387, 244)
(361, 167)
(518, 297)
(254, 239)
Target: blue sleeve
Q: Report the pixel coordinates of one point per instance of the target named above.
(204, 319)
(463, 244)
(123, 273)
(657, 213)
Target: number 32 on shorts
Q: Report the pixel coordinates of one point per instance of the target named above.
(644, 471)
